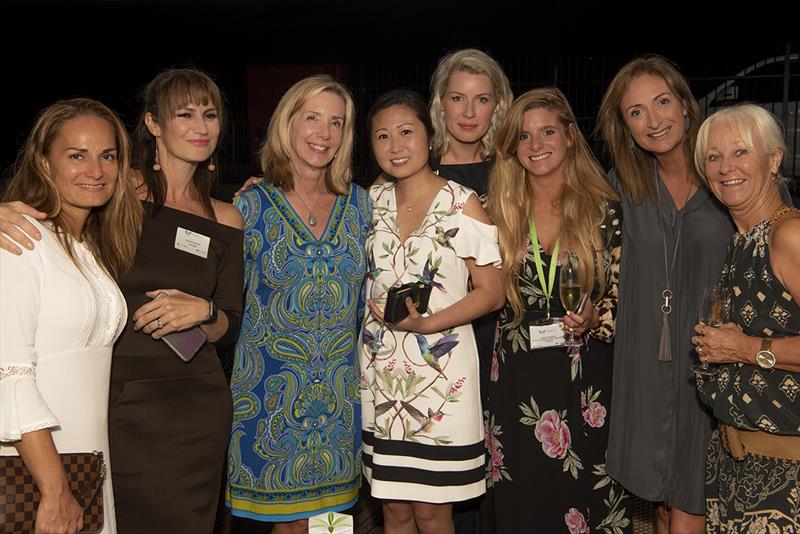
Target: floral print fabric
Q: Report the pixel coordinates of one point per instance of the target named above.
(546, 417)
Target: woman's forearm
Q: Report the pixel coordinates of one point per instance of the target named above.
(41, 458)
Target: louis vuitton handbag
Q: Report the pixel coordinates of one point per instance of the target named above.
(19, 496)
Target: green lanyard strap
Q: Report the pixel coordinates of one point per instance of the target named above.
(547, 285)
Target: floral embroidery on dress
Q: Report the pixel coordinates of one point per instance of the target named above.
(552, 431)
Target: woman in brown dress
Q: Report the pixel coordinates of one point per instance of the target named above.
(169, 420)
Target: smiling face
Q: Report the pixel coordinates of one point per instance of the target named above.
(653, 114)
(738, 174)
(399, 142)
(543, 144)
(82, 161)
(189, 135)
(316, 132)
(468, 105)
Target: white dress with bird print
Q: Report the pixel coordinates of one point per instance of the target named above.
(421, 408)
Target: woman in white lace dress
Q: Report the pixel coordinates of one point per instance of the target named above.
(61, 309)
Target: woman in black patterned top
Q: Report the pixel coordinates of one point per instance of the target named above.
(753, 462)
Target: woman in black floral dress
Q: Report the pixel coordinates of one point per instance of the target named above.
(753, 462)
(546, 411)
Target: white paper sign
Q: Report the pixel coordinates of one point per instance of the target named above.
(330, 523)
(548, 335)
(192, 242)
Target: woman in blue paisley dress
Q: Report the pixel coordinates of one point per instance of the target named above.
(423, 433)
(753, 459)
(295, 446)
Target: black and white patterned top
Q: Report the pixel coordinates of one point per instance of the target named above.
(743, 395)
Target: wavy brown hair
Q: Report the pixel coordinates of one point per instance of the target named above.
(473, 61)
(276, 154)
(168, 92)
(635, 165)
(112, 230)
(510, 197)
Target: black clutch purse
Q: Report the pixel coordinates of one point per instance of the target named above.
(396, 309)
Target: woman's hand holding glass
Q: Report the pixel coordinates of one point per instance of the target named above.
(571, 293)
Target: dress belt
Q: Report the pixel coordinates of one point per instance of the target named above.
(740, 443)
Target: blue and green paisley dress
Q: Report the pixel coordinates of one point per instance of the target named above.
(295, 446)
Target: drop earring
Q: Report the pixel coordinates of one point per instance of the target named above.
(156, 165)
(211, 166)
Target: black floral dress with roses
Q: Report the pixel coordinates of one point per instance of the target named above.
(546, 416)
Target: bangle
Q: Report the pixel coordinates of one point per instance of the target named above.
(212, 312)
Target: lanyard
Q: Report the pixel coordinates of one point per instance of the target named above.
(547, 285)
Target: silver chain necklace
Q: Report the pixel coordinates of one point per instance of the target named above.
(312, 219)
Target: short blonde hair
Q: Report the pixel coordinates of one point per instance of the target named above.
(276, 154)
(756, 127)
(473, 61)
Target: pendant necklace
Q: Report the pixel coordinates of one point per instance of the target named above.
(312, 219)
(665, 341)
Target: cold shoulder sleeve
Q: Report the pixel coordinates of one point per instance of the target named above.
(474, 239)
(22, 408)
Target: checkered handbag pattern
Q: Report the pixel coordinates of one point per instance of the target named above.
(19, 496)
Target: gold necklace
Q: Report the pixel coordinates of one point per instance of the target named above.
(436, 186)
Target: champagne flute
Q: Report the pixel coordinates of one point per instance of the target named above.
(375, 342)
(711, 314)
(570, 290)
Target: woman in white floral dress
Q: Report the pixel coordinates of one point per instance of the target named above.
(423, 435)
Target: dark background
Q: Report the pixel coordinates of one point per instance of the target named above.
(109, 49)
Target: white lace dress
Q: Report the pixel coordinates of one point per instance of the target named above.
(57, 329)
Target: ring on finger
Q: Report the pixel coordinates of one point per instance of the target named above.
(159, 323)
(702, 329)
(699, 349)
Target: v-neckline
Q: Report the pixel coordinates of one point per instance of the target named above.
(415, 231)
(296, 222)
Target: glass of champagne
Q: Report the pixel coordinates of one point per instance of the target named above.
(375, 341)
(570, 290)
(710, 313)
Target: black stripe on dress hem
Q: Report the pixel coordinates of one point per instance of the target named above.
(451, 453)
(412, 475)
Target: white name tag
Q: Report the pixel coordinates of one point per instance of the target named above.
(192, 242)
(547, 335)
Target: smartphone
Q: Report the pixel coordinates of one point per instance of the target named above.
(582, 304)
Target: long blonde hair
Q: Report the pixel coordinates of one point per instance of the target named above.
(634, 164)
(473, 61)
(276, 154)
(581, 199)
(112, 230)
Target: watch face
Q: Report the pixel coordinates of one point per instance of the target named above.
(765, 359)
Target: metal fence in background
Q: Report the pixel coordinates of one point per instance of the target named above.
(772, 81)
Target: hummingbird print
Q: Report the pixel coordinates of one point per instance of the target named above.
(429, 276)
(432, 353)
(443, 237)
(425, 422)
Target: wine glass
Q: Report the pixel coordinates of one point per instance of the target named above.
(375, 340)
(570, 290)
(711, 314)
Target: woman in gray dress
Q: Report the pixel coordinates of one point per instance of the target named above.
(674, 243)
